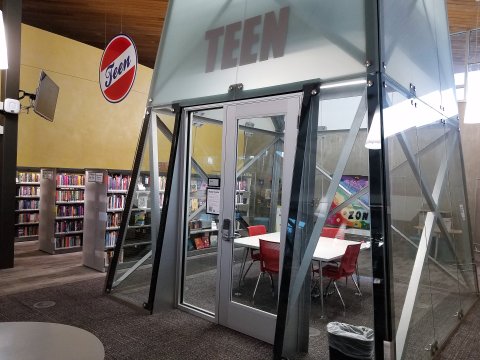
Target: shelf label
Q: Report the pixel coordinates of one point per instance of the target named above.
(95, 177)
(47, 174)
(213, 201)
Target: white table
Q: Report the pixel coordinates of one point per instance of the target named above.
(328, 249)
(41, 340)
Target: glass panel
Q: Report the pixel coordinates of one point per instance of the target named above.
(337, 221)
(256, 43)
(442, 267)
(257, 209)
(460, 227)
(411, 55)
(204, 161)
(327, 38)
(134, 270)
(410, 279)
(187, 64)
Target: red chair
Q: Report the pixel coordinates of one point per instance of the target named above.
(330, 232)
(333, 233)
(269, 262)
(347, 267)
(254, 254)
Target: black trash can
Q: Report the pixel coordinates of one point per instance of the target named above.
(349, 342)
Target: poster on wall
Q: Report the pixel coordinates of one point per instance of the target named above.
(353, 215)
(118, 68)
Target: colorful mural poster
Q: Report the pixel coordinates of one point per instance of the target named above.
(353, 215)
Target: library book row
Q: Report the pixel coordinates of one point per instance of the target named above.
(53, 206)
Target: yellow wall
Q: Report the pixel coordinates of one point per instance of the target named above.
(88, 131)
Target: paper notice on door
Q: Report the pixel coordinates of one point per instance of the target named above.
(213, 201)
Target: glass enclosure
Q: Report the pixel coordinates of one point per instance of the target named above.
(385, 134)
(434, 280)
(133, 270)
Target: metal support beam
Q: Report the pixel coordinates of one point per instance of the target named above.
(256, 157)
(277, 162)
(139, 153)
(155, 186)
(131, 270)
(168, 134)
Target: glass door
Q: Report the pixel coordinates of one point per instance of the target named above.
(260, 138)
(238, 174)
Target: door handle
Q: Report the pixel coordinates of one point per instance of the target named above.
(226, 230)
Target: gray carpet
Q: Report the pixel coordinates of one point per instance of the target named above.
(127, 333)
(463, 345)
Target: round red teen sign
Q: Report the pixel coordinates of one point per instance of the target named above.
(118, 68)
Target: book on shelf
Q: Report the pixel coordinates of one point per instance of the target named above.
(115, 201)
(213, 240)
(66, 226)
(25, 204)
(193, 204)
(68, 242)
(25, 190)
(118, 182)
(27, 218)
(70, 210)
(111, 238)
(114, 219)
(24, 177)
(199, 243)
(139, 218)
(202, 242)
(70, 179)
(69, 195)
(21, 231)
(142, 201)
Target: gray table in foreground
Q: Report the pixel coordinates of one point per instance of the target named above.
(41, 341)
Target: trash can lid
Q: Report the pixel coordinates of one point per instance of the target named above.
(354, 341)
(353, 332)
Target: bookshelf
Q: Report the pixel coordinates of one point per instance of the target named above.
(105, 195)
(202, 227)
(138, 237)
(27, 205)
(61, 210)
(242, 195)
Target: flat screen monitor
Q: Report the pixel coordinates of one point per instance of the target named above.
(46, 97)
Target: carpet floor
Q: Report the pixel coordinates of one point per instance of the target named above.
(128, 333)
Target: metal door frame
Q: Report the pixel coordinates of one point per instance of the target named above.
(230, 314)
